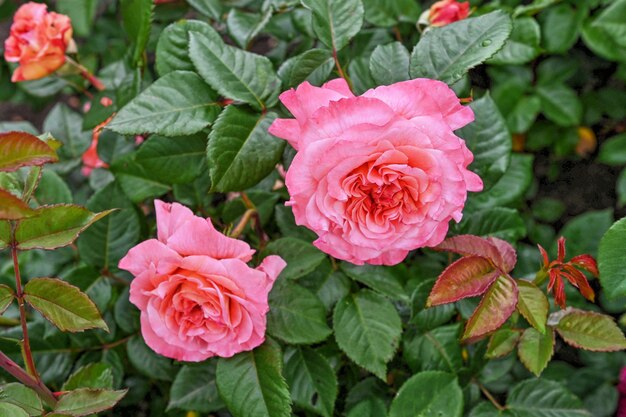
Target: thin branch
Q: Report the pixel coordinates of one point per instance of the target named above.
(18, 373)
(490, 396)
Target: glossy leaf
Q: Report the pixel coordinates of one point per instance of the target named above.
(523, 44)
(447, 53)
(467, 277)
(368, 328)
(18, 149)
(500, 222)
(251, 383)
(313, 65)
(610, 260)
(429, 393)
(543, 398)
(296, 315)
(379, 278)
(21, 396)
(86, 401)
(335, 23)
(536, 349)
(301, 257)
(312, 381)
(241, 152)
(591, 331)
(502, 343)
(437, 349)
(179, 103)
(55, 226)
(234, 73)
(533, 304)
(494, 309)
(390, 63)
(63, 304)
(195, 388)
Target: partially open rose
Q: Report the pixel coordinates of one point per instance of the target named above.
(448, 11)
(38, 41)
(378, 175)
(198, 297)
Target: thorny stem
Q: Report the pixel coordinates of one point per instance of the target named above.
(490, 397)
(340, 70)
(87, 75)
(18, 373)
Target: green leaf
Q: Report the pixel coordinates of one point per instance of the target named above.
(244, 27)
(533, 304)
(12, 208)
(296, 315)
(52, 189)
(18, 149)
(613, 150)
(97, 375)
(583, 239)
(560, 104)
(301, 257)
(107, 241)
(489, 140)
(136, 181)
(522, 46)
(379, 278)
(66, 306)
(251, 383)
(430, 393)
(12, 410)
(509, 189)
(448, 52)
(605, 34)
(522, 117)
(67, 126)
(501, 222)
(85, 401)
(137, 20)
(21, 396)
(6, 297)
(621, 189)
(312, 381)
(469, 276)
(195, 388)
(172, 50)
(368, 328)
(55, 226)
(179, 103)
(81, 13)
(371, 407)
(148, 362)
(502, 343)
(336, 22)
(543, 398)
(173, 160)
(561, 26)
(211, 8)
(432, 317)
(388, 13)
(241, 152)
(533, 8)
(234, 73)
(494, 309)
(314, 65)
(610, 260)
(390, 63)
(536, 349)
(437, 349)
(591, 331)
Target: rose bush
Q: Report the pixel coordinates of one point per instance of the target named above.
(310, 207)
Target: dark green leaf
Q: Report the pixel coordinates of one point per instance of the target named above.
(335, 23)
(95, 375)
(390, 63)
(560, 104)
(313, 65)
(522, 46)
(379, 278)
(195, 389)
(148, 362)
(610, 260)
(430, 393)
(301, 257)
(137, 20)
(542, 398)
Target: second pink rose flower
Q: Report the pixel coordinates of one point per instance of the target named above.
(378, 175)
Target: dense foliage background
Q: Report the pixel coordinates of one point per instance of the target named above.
(548, 141)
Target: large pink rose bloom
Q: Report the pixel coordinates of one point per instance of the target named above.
(38, 41)
(377, 175)
(198, 297)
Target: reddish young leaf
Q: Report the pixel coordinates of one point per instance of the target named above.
(591, 331)
(12, 208)
(18, 149)
(579, 280)
(467, 277)
(587, 263)
(472, 245)
(556, 285)
(561, 249)
(494, 309)
(507, 252)
(544, 256)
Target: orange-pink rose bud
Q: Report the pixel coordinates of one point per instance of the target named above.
(37, 41)
(448, 11)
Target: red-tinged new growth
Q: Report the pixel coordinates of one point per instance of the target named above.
(559, 269)
(483, 269)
